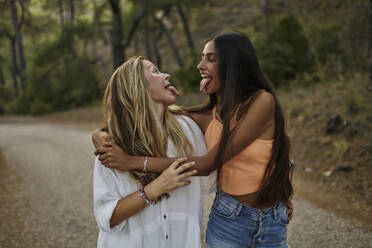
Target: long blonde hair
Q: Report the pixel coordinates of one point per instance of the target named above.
(131, 120)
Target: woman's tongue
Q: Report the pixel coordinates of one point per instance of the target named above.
(173, 90)
(203, 83)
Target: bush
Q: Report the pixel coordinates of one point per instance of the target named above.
(327, 44)
(21, 105)
(59, 78)
(6, 94)
(39, 107)
(71, 84)
(285, 52)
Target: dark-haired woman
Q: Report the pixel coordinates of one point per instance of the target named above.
(244, 131)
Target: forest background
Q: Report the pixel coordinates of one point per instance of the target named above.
(56, 57)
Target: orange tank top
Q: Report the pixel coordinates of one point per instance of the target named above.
(243, 173)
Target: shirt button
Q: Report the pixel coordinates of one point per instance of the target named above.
(165, 216)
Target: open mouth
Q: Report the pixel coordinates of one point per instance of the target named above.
(206, 79)
(171, 89)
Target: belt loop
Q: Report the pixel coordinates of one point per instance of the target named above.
(218, 195)
(276, 212)
(238, 209)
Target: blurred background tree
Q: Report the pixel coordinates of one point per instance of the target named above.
(72, 47)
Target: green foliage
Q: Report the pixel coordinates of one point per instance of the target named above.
(326, 42)
(5, 94)
(189, 77)
(340, 147)
(63, 45)
(285, 52)
(39, 107)
(60, 79)
(352, 104)
(327, 45)
(21, 105)
(71, 84)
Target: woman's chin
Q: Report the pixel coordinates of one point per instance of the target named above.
(209, 91)
(170, 100)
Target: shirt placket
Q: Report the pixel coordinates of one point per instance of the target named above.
(165, 223)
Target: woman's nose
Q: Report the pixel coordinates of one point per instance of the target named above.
(200, 65)
(167, 76)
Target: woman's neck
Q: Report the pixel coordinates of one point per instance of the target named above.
(218, 102)
(160, 110)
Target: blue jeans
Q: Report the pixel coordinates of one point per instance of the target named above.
(232, 224)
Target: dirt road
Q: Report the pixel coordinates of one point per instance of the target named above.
(46, 195)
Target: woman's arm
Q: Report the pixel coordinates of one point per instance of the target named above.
(250, 127)
(111, 209)
(201, 119)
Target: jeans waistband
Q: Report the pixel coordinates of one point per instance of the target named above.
(229, 202)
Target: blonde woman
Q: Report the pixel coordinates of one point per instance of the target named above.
(140, 208)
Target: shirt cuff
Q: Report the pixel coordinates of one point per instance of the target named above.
(105, 215)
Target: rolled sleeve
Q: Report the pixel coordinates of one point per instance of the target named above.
(106, 196)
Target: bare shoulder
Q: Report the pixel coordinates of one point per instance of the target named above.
(262, 99)
(265, 99)
(262, 103)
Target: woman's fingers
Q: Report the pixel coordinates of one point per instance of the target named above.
(290, 215)
(188, 174)
(107, 144)
(185, 167)
(103, 157)
(102, 150)
(290, 211)
(176, 163)
(184, 183)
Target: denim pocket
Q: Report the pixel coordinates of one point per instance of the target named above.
(281, 214)
(222, 210)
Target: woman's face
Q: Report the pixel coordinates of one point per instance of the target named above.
(208, 68)
(158, 84)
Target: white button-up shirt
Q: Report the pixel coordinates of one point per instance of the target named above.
(174, 222)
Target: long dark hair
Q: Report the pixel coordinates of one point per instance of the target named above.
(241, 79)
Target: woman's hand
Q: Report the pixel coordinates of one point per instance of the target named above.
(112, 156)
(290, 211)
(99, 137)
(175, 176)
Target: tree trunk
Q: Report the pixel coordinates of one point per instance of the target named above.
(72, 10)
(156, 49)
(14, 66)
(370, 47)
(186, 27)
(265, 13)
(171, 42)
(61, 11)
(19, 42)
(105, 66)
(136, 45)
(2, 79)
(146, 40)
(117, 34)
(119, 44)
(136, 21)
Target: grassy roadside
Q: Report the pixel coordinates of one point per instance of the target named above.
(321, 158)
